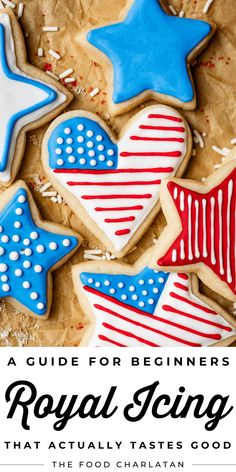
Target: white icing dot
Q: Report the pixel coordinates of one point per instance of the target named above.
(132, 288)
(14, 256)
(141, 282)
(141, 304)
(90, 281)
(144, 292)
(1, 229)
(80, 127)
(69, 150)
(34, 295)
(107, 283)
(34, 235)
(38, 268)
(124, 297)
(53, 246)
(40, 306)
(28, 251)
(97, 284)
(102, 158)
(93, 162)
(110, 152)
(134, 297)
(151, 281)
(26, 242)
(5, 238)
(60, 140)
(58, 151)
(26, 284)
(26, 264)
(150, 301)
(40, 248)
(66, 242)
(60, 162)
(21, 199)
(101, 147)
(69, 141)
(15, 238)
(72, 159)
(67, 130)
(82, 161)
(90, 133)
(99, 138)
(110, 163)
(80, 139)
(90, 144)
(17, 224)
(155, 290)
(121, 285)
(4, 278)
(2, 250)
(112, 291)
(5, 287)
(80, 150)
(18, 272)
(161, 280)
(91, 153)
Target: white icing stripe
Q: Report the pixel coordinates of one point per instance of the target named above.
(220, 203)
(204, 204)
(182, 196)
(213, 257)
(175, 193)
(230, 192)
(182, 250)
(174, 255)
(197, 253)
(190, 251)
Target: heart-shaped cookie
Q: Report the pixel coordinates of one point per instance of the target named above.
(113, 186)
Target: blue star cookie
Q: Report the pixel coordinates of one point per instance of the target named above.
(28, 252)
(149, 51)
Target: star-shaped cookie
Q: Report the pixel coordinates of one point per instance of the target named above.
(201, 236)
(30, 249)
(139, 307)
(28, 97)
(148, 55)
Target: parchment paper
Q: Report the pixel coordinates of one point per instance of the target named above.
(215, 79)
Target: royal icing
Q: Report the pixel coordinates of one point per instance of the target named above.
(118, 184)
(153, 44)
(23, 100)
(27, 253)
(152, 308)
(208, 229)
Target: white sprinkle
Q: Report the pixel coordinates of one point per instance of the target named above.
(45, 187)
(93, 251)
(199, 137)
(92, 257)
(195, 140)
(54, 199)
(69, 80)
(225, 149)
(219, 151)
(54, 76)
(20, 10)
(40, 52)
(204, 134)
(172, 9)
(59, 198)
(194, 152)
(8, 3)
(207, 6)
(49, 29)
(233, 141)
(54, 54)
(181, 13)
(65, 73)
(94, 92)
(204, 179)
(49, 194)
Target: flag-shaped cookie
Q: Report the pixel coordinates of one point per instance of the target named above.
(113, 185)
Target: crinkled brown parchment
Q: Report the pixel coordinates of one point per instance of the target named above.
(215, 79)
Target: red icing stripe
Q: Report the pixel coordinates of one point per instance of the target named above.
(137, 207)
(179, 129)
(196, 305)
(129, 335)
(165, 117)
(139, 138)
(151, 154)
(183, 276)
(193, 317)
(104, 184)
(113, 197)
(111, 341)
(181, 286)
(122, 232)
(119, 220)
(115, 171)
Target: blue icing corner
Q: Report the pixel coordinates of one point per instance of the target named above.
(141, 291)
(81, 143)
(27, 252)
(50, 96)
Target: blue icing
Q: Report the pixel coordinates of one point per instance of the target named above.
(140, 291)
(81, 143)
(27, 254)
(149, 51)
(50, 94)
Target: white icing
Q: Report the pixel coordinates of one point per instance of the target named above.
(190, 250)
(15, 96)
(220, 203)
(204, 204)
(213, 257)
(182, 200)
(230, 192)
(182, 250)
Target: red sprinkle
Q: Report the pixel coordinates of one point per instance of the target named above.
(47, 67)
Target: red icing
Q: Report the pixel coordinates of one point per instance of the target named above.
(114, 197)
